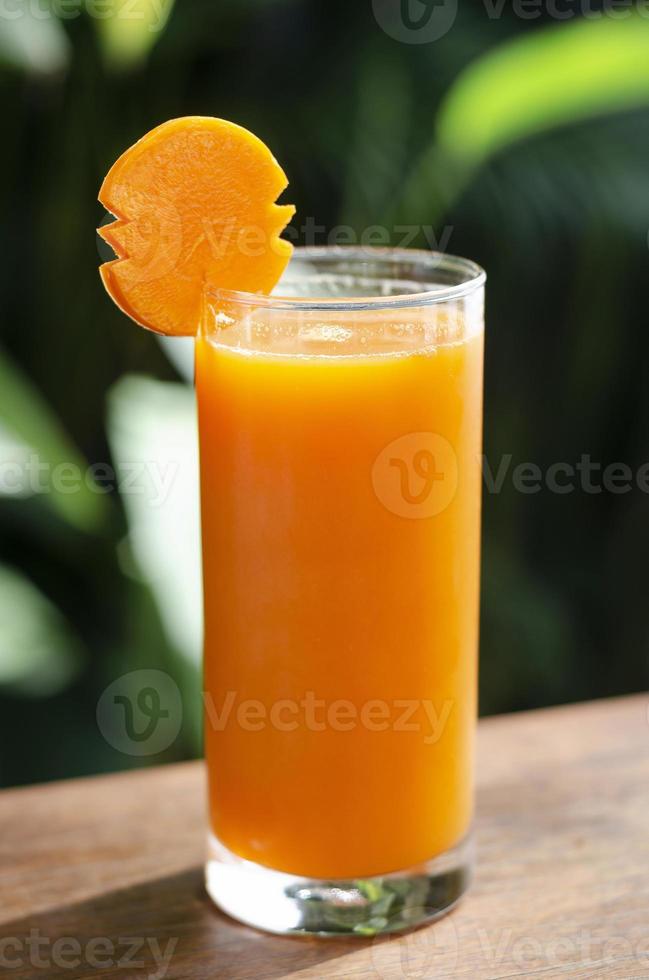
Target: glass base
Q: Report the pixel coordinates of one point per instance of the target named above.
(285, 903)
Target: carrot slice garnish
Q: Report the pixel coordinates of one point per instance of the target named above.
(194, 202)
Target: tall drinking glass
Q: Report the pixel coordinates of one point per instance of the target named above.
(340, 438)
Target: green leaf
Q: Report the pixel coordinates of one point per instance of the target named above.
(32, 437)
(39, 655)
(557, 75)
(550, 77)
(152, 433)
(372, 890)
(131, 30)
(180, 352)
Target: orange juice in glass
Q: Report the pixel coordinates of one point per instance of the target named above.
(340, 437)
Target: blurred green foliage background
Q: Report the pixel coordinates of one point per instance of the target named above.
(522, 141)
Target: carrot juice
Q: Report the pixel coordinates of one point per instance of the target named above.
(340, 477)
(340, 411)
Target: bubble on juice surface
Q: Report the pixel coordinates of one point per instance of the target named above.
(326, 333)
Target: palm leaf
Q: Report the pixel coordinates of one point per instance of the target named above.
(39, 655)
(29, 424)
(557, 75)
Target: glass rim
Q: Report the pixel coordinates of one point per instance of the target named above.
(474, 279)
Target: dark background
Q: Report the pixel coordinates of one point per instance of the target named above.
(522, 141)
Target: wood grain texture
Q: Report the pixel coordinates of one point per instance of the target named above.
(110, 867)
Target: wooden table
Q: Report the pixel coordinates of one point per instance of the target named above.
(110, 868)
